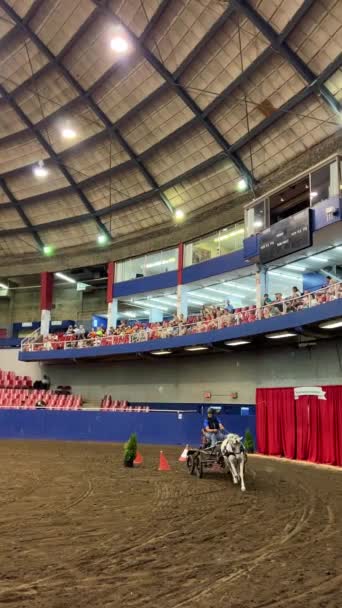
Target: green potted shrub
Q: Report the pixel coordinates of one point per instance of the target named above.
(130, 450)
(248, 441)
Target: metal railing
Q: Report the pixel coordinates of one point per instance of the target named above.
(222, 320)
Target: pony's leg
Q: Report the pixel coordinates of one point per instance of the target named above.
(242, 472)
(232, 462)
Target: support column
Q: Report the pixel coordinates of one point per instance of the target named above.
(112, 303)
(260, 286)
(46, 294)
(182, 291)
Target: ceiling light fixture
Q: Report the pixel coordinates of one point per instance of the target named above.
(179, 215)
(258, 224)
(237, 342)
(161, 352)
(3, 286)
(119, 44)
(331, 324)
(318, 259)
(280, 335)
(242, 185)
(48, 250)
(64, 277)
(102, 239)
(294, 267)
(194, 348)
(40, 170)
(313, 194)
(68, 133)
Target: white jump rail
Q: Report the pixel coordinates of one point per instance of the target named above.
(274, 309)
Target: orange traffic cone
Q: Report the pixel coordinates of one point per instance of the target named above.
(163, 463)
(184, 454)
(138, 459)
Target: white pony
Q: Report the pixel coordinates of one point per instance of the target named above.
(235, 457)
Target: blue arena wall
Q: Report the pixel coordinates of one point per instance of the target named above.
(152, 428)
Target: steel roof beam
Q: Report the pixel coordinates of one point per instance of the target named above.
(86, 97)
(25, 119)
(33, 10)
(289, 106)
(182, 93)
(21, 213)
(280, 45)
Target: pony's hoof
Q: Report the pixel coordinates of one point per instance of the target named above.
(243, 489)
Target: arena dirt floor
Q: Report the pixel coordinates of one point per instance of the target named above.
(79, 530)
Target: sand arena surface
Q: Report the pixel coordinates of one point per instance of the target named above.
(79, 530)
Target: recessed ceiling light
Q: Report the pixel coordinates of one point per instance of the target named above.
(280, 335)
(237, 342)
(64, 277)
(331, 324)
(119, 44)
(179, 215)
(40, 170)
(68, 133)
(319, 259)
(161, 352)
(242, 185)
(193, 348)
(313, 194)
(295, 267)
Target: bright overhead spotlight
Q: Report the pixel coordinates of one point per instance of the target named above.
(40, 170)
(237, 342)
(119, 44)
(64, 277)
(258, 224)
(280, 335)
(331, 324)
(48, 250)
(3, 286)
(161, 352)
(68, 133)
(179, 215)
(193, 348)
(102, 239)
(242, 185)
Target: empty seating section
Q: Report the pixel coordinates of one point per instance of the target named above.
(27, 399)
(108, 404)
(11, 380)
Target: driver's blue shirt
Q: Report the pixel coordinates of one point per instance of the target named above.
(214, 419)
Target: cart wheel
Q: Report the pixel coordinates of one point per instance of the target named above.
(190, 463)
(199, 467)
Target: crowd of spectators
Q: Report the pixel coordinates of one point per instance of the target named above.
(211, 318)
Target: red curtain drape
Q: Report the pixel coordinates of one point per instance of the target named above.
(307, 428)
(275, 419)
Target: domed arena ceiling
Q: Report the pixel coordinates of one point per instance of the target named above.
(121, 117)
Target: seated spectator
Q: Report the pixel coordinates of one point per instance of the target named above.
(278, 304)
(40, 404)
(229, 307)
(267, 299)
(70, 331)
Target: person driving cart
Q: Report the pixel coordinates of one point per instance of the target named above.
(213, 428)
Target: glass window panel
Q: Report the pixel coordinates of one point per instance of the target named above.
(319, 185)
(231, 239)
